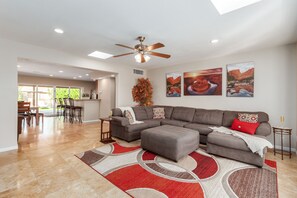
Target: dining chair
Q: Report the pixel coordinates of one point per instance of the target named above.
(24, 109)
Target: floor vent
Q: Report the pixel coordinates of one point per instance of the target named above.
(138, 71)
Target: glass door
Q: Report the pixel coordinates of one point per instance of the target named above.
(45, 100)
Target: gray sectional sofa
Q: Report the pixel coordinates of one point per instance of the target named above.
(198, 120)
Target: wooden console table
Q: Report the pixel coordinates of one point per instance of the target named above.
(106, 136)
(282, 131)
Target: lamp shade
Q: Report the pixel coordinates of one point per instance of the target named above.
(138, 58)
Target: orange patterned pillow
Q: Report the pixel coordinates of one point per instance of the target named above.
(158, 113)
(128, 115)
(248, 117)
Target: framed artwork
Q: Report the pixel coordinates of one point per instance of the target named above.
(240, 79)
(203, 82)
(173, 84)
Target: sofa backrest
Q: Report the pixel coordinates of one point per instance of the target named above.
(183, 114)
(212, 117)
(229, 116)
(140, 113)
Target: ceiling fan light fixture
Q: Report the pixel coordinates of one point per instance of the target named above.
(138, 58)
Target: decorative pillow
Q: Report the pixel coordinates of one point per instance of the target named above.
(245, 127)
(248, 117)
(158, 113)
(128, 115)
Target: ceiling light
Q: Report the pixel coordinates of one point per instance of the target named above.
(18, 66)
(214, 41)
(112, 75)
(74, 77)
(80, 76)
(51, 75)
(225, 6)
(101, 55)
(59, 31)
(138, 58)
(61, 71)
(87, 74)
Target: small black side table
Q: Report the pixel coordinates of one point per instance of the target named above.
(106, 136)
(282, 131)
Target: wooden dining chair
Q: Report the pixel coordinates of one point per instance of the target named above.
(24, 109)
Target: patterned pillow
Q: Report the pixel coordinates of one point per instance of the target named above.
(248, 117)
(158, 113)
(128, 115)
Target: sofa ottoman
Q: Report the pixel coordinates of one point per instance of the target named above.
(172, 142)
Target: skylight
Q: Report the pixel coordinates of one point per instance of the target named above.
(101, 55)
(225, 6)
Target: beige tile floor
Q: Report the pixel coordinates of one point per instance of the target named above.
(45, 165)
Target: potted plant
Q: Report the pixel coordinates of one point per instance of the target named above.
(142, 92)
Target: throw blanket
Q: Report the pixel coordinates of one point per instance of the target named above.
(123, 109)
(256, 144)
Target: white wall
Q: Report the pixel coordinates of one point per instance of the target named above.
(10, 51)
(106, 90)
(275, 85)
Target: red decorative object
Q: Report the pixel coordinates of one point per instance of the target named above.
(142, 92)
(245, 127)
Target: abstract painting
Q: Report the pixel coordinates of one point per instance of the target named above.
(240, 79)
(173, 84)
(203, 82)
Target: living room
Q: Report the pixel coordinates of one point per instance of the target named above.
(198, 38)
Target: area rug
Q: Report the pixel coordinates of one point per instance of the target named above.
(143, 174)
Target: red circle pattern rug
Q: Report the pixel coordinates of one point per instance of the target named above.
(143, 174)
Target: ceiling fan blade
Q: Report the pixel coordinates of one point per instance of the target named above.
(155, 46)
(159, 54)
(125, 46)
(142, 58)
(123, 54)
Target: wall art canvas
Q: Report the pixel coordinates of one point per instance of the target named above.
(240, 79)
(173, 84)
(203, 82)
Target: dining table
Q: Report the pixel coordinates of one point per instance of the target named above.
(36, 110)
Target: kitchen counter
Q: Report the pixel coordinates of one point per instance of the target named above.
(90, 109)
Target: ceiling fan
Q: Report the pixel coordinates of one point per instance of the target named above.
(142, 51)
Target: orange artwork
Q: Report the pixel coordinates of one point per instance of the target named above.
(240, 80)
(173, 85)
(203, 82)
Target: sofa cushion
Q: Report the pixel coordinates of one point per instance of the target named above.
(211, 117)
(229, 116)
(153, 123)
(168, 111)
(203, 129)
(228, 141)
(149, 112)
(245, 127)
(264, 129)
(140, 113)
(136, 127)
(173, 122)
(183, 114)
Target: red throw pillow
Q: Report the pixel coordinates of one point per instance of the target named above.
(245, 127)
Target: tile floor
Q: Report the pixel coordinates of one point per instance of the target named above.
(45, 165)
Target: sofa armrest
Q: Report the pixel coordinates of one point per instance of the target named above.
(264, 129)
(122, 121)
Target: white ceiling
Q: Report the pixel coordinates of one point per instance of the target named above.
(35, 68)
(185, 27)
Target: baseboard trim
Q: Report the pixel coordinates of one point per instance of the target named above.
(285, 148)
(8, 149)
(90, 121)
